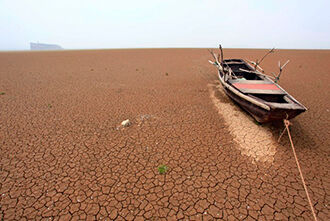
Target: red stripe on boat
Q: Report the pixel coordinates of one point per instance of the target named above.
(256, 86)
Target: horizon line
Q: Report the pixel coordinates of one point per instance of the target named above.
(150, 48)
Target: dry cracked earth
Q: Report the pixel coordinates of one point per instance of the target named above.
(64, 155)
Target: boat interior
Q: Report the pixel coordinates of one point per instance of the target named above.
(256, 86)
(237, 65)
(275, 98)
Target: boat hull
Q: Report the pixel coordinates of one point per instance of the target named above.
(262, 115)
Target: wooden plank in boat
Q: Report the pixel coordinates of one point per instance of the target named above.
(234, 62)
(267, 88)
(291, 106)
(250, 81)
(256, 86)
(259, 91)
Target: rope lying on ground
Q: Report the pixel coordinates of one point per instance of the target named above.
(287, 124)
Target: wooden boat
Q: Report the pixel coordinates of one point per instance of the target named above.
(256, 92)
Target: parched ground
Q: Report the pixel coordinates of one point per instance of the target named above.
(64, 155)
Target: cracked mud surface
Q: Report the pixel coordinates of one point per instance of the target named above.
(252, 139)
(64, 156)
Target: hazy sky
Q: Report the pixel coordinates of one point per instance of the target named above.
(75, 24)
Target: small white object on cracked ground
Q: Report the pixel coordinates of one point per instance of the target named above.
(125, 123)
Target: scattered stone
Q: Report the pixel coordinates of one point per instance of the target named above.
(126, 123)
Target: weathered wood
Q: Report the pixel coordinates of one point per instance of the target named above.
(250, 81)
(292, 98)
(258, 62)
(244, 85)
(234, 62)
(287, 99)
(235, 91)
(262, 73)
(255, 66)
(214, 56)
(281, 68)
(260, 91)
(217, 65)
(291, 106)
(246, 70)
(221, 52)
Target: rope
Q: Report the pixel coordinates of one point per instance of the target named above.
(287, 124)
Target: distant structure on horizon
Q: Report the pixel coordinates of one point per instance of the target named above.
(41, 46)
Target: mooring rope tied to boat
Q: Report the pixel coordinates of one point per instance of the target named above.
(287, 123)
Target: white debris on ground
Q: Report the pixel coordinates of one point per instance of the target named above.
(126, 123)
(139, 120)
